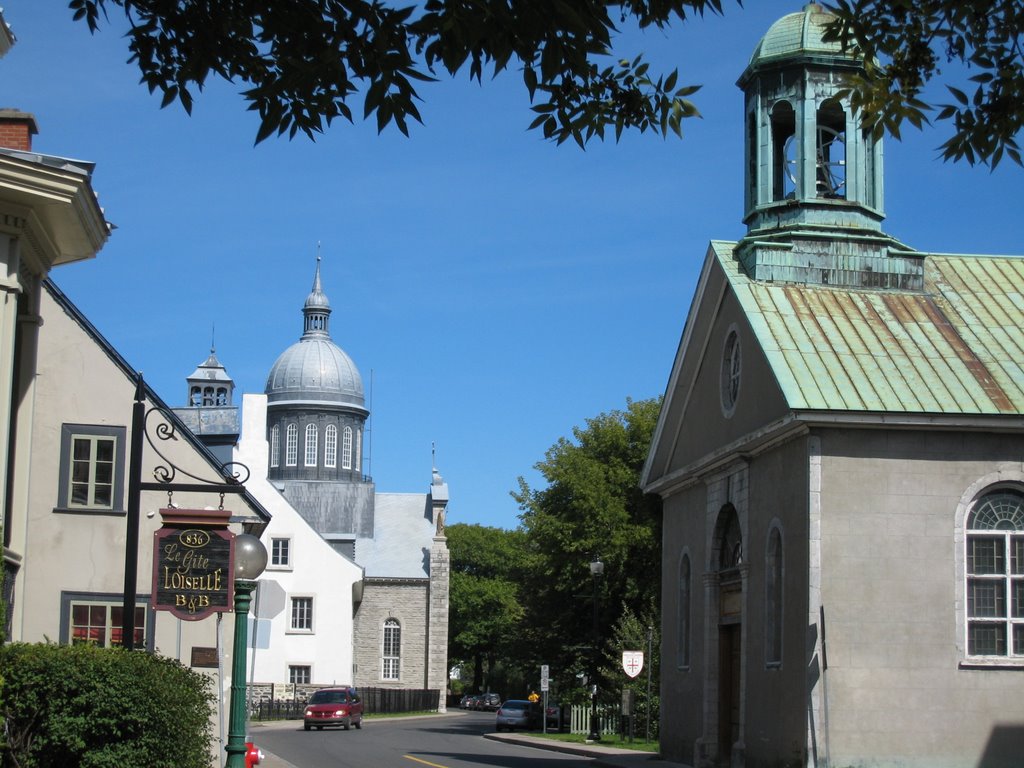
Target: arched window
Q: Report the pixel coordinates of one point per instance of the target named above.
(785, 168)
(195, 397)
(995, 575)
(291, 445)
(391, 650)
(275, 445)
(222, 396)
(331, 446)
(311, 445)
(346, 448)
(830, 147)
(208, 396)
(683, 624)
(773, 599)
(730, 544)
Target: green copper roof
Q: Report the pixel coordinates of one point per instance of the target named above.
(796, 35)
(955, 348)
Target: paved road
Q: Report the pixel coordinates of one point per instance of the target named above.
(454, 740)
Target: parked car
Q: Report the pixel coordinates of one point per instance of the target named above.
(333, 706)
(464, 701)
(490, 702)
(517, 713)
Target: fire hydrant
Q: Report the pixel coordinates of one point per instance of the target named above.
(253, 755)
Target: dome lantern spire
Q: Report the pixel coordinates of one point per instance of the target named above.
(317, 309)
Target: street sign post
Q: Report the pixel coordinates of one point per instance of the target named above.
(544, 690)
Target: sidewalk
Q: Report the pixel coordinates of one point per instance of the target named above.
(604, 757)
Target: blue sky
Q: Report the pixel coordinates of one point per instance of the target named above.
(497, 289)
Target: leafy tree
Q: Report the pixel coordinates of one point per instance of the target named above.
(485, 596)
(591, 507)
(907, 43)
(301, 62)
(638, 631)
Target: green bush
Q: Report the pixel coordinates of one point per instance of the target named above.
(86, 707)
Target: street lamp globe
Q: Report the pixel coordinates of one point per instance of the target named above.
(596, 567)
(250, 556)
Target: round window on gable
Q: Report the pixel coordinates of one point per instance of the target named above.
(731, 368)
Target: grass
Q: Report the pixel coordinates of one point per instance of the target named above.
(384, 715)
(607, 740)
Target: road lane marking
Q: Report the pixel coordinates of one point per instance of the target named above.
(433, 765)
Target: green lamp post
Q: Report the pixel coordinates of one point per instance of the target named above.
(250, 560)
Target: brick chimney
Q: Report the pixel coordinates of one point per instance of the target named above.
(17, 129)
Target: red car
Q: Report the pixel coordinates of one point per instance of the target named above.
(334, 706)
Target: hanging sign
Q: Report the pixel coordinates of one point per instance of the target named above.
(193, 565)
(633, 662)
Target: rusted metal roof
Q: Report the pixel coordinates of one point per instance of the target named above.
(955, 348)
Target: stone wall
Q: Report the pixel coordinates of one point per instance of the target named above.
(407, 601)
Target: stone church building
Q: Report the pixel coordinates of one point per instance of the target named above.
(841, 457)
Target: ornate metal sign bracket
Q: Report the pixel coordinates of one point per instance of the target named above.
(165, 473)
(234, 474)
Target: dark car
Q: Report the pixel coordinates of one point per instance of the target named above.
(333, 706)
(490, 702)
(517, 713)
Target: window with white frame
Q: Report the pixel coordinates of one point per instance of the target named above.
(994, 575)
(92, 468)
(311, 439)
(302, 614)
(683, 620)
(773, 599)
(331, 446)
(392, 650)
(300, 674)
(275, 445)
(358, 463)
(280, 553)
(346, 448)
(291, 445)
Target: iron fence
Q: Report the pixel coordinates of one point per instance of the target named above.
(376, 701)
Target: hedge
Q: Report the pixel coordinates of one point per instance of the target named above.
(81, 706)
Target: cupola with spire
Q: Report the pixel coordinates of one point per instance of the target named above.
(210, 414)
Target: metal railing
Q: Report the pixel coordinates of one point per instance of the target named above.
(376, 701)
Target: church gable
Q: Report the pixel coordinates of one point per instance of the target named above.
(722, 390)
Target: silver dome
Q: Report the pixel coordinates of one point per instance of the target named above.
(315, 370)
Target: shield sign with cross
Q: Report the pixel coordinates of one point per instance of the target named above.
(633, 662)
